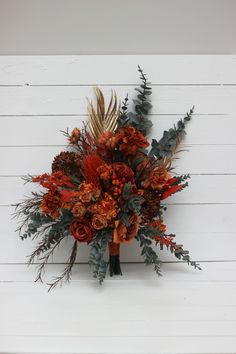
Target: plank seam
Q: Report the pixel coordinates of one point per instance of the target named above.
(85, 115)
(65, 146)
(120, 85)
(86, 263)
(191, 174)
(164, 204)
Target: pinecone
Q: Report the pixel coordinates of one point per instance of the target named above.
(68, 162)
(151, 205)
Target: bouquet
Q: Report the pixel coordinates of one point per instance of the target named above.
(107, 189)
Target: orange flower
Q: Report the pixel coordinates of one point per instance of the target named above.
(159, 225)
(79, 210)
(119, 232)
(130, 140)
(68, 195)
(115, 176)
(87, 192)
(126, 234)
(69, 198)
(106, 144)
(107, 140)
(99, 222)
(51, 203)
(105, 172)
(157, 180)
(122, 171)
(53, 181)
(93, 208)
(82, 230)
(107, 208)
(75, 136)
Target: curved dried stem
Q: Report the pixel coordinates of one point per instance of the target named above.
(44, 259)
(66, 274)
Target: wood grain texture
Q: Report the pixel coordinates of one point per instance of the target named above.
(117, 69)
(46, 130)
(38, 100)
(195, 160)
(202, 189)
(206, 230)
(106, 344)
(194, 311)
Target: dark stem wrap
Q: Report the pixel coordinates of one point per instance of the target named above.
(114, 260)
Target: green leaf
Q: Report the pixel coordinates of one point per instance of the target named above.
(97, 251)
(124, 217)
(126, 190)
(167, 145)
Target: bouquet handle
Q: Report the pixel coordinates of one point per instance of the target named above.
(114, 259)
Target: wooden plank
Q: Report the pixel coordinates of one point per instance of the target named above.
(140, 327)
(46, 130)
(116, 70)
(201, 228)
(199, 244)
(197, 159)
(186, 310)
(66, 100)
(202, 189)
(201, 311)
(118, 345)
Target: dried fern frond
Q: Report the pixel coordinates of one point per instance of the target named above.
(100, 119)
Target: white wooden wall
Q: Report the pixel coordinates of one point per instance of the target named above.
(41, 95)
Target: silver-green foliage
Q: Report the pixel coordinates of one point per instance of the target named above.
(97, 250)
(142, 106)
(167, 145)
(150, 256)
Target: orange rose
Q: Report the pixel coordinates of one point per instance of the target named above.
(93, 208)
(88, 191)
(75, 136)
(82, 230)
(86, 197)
(79, 210)
(99, 222)
(121, 233)
(96, 193)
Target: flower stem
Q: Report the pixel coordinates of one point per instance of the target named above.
(114, 260)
